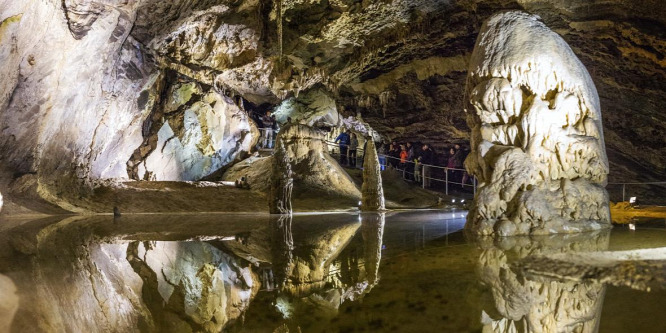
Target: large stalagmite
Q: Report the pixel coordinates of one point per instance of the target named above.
(537, 142)
(371, 190)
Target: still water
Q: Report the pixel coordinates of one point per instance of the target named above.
(410, 271)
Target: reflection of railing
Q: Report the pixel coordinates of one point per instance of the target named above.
(647, 192)
(425, 176)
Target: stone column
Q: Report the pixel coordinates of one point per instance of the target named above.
(537, 141)
(372, 191)
(282, 181)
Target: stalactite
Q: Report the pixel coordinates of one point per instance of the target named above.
(279, 13)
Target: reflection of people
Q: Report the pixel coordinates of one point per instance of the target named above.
(343, 141)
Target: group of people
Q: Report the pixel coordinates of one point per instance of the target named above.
(415, 162)
(348, 144)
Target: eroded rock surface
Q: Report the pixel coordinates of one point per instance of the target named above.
(537, 141)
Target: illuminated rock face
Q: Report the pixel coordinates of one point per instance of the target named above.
(537, 141)
(199, 132)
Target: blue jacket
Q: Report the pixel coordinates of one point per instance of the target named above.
(343, 138)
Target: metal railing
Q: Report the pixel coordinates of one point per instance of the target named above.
(651, 193)
(425, 175)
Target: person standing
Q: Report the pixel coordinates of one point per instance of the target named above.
(403, 157)
(394, 155)
(426, 159)
(343, 141)
(353, 145)
(267, 130)
(409, 167)
(451, 166)
(381, 152)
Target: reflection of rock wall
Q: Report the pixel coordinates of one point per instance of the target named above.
(537, 142)
(192, 285)
(79, 289)
(524, 305)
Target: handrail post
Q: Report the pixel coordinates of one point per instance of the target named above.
(474, 184)
(623, 187)
(446, 173)
(422, 175)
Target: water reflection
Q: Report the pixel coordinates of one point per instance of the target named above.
(409, 271)
(523, 305)
(92, 274)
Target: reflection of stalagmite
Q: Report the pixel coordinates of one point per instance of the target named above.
(525, 305)
(372, 229)
(372, 191)
(9, 302)
(282, 243)
(282, 181)
(537, 141)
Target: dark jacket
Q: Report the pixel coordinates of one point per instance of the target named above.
(267, 121)
(426, 156)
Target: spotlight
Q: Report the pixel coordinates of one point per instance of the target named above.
(453, 201)
(632, 200)
(360, 203)
(632, 226)
(462, 201)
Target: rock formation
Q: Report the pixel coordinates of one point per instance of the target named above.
(537, 141)
(372, 190)
(316, 174)
(282, 181)
(525, 305)
(157, 90)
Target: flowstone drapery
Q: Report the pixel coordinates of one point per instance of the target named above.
(537, 143)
